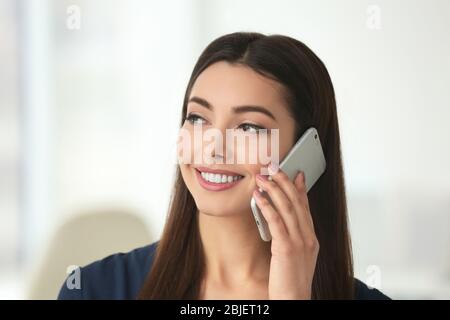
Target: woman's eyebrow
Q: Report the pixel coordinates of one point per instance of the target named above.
(237, 109)
(242, 109)
(201, 102)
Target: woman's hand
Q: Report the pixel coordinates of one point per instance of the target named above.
(294, 244)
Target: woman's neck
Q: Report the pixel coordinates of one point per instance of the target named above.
(234, 251)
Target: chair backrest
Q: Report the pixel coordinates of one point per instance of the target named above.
(80, 240)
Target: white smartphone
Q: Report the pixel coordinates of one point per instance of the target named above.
(307, 156)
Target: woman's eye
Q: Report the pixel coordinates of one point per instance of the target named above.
(251, 128)
(195, 119)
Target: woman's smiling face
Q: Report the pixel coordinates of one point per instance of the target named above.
(232, 96)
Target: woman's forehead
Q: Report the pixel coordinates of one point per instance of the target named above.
(226, 85)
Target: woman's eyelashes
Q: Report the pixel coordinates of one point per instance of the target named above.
(195, 119)
(251, 128)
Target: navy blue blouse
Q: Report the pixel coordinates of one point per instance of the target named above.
(120, 277)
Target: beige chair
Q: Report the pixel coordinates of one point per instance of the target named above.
(83, 239)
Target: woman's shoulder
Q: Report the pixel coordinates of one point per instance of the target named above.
(117, 276)
(364, 292)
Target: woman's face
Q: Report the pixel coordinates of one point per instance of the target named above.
(224, 185)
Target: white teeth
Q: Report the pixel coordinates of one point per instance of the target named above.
(219, 178)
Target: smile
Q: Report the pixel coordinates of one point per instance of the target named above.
(217, 180)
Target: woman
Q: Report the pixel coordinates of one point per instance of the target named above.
(210, 247)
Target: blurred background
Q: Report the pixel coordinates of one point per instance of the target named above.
(90, 101)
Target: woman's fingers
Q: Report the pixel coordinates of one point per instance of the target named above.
(299, 199)
(276, 224)
(287, 186)
(300, 186)
(284, 206)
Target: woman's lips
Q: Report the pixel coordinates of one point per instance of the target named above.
(226, 172)
(213, 186)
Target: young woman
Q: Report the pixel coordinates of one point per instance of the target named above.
(210, 247)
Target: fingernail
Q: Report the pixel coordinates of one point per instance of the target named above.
(298, 177)
(261, 177)
(273, 168)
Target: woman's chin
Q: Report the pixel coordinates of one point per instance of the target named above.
(214, 211)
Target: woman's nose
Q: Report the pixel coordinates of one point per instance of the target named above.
(220, 147)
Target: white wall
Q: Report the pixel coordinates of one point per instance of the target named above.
(121, 79)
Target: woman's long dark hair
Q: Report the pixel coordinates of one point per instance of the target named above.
(179, 262)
